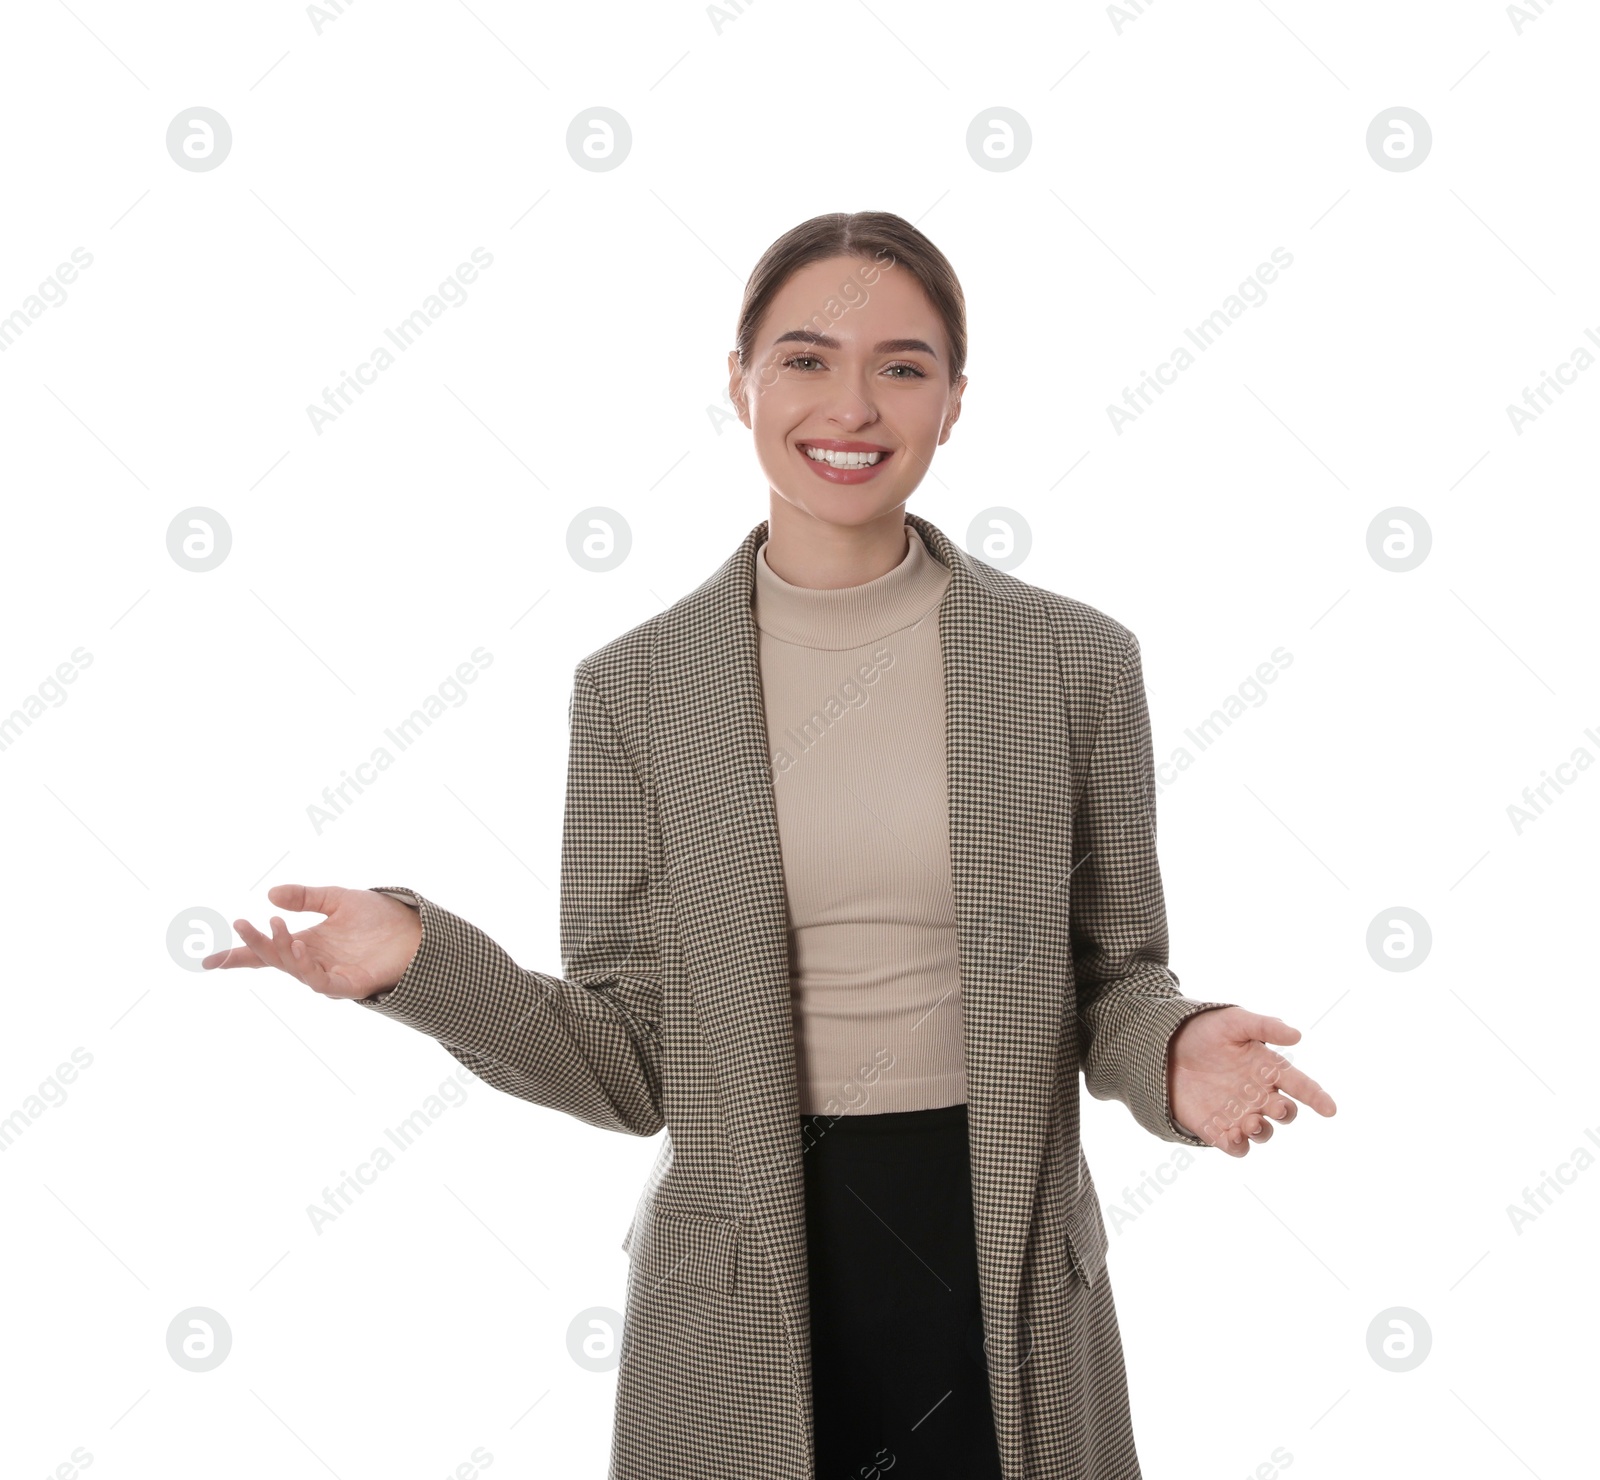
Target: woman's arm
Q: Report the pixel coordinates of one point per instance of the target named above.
(1129, 1005)
(586, 1044)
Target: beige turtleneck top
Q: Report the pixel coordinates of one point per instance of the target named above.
(853, 683)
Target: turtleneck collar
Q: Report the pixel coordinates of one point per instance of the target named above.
(849, 616)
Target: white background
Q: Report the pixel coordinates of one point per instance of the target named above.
(1171, 152)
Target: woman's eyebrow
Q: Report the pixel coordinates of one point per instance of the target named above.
(883, 346)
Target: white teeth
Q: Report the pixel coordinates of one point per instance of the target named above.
(842, 459)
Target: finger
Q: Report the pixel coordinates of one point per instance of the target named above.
(1259, 1129)
(1280, 1108)
(280, 936)
(1304, 1088)
(1267, 1076)
(236, 956)
(310, 898)
(1269, 1029)
(262, 945)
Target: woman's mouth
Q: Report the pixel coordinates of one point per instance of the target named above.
(848, 462)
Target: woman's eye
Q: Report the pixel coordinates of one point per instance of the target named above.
(799, 361)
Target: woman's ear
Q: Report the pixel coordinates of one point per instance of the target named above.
(954, 413)
(736, 388)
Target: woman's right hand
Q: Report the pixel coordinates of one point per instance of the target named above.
(364, 945)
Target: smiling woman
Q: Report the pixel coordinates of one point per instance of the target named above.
(857, 992)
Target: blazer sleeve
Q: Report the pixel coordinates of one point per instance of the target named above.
(1128, 1001)
(588, 1043)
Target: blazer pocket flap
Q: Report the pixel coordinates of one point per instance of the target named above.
(1086, 1236)
(695, 1248)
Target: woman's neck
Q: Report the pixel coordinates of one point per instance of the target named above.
(810, 552)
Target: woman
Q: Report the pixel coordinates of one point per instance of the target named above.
(858, 873)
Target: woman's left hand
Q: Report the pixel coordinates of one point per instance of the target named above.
(1227, 1087)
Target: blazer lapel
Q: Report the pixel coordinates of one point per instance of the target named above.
(1010, 845)
(724, 880)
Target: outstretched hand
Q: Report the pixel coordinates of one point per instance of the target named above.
(364, 946)
(1227, 1087)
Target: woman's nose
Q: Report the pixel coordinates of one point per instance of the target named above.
(850, 406)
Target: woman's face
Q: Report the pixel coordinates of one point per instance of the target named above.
(850, 356)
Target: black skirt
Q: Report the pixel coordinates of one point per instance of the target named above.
(900, 1388)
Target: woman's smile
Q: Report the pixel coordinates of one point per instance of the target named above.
(837, 461)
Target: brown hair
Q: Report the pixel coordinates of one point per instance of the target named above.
(879, 236)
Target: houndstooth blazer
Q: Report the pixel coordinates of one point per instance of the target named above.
(675, 1012)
